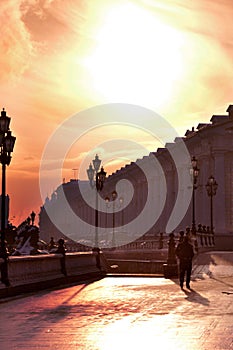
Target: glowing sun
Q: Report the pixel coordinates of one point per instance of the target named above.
(136, 59)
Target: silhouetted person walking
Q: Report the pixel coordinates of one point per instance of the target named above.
(184, 252)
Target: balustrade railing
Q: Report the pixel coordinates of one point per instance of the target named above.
(201, 241)
(152, 244)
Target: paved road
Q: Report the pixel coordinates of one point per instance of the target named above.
(122, 313)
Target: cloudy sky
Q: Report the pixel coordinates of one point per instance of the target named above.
(59, 57)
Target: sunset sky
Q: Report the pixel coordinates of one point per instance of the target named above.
(59, 57)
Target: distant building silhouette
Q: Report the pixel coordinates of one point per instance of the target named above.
(212, 145)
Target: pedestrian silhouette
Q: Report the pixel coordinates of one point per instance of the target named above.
(51, 245)
(4, 255)
(171, 249)
(181, 238)
(188, 232)
(184, 252)
(62, 250)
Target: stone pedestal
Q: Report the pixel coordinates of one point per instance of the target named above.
(170, 270)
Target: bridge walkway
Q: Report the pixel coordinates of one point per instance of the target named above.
(127, 313)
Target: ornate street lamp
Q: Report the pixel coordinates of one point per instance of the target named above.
(96, 179)
(211, 188)
(7, 142)
(194, 173)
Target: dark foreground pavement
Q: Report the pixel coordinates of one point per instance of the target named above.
(124, 313)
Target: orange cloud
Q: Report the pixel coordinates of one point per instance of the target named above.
(16, 47)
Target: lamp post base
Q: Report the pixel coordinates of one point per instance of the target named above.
(96, 251)
(4, 271)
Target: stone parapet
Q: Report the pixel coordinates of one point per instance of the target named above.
(27, 273)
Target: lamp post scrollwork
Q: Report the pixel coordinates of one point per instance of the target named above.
(194, 173)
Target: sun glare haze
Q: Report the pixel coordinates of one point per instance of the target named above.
(136, 58)
(61, 57)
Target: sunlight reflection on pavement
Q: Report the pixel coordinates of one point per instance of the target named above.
(122, 313)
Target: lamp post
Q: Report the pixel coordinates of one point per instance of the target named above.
(211, 188)
(7, 142)
(107, 199)
(194, 173)
(121, 200)
(96, 179)
(33, 215)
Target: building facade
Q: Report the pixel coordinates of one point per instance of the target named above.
(154, 194)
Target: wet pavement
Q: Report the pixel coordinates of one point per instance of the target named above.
(122, 313)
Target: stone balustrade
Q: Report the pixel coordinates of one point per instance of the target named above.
(40, 271)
